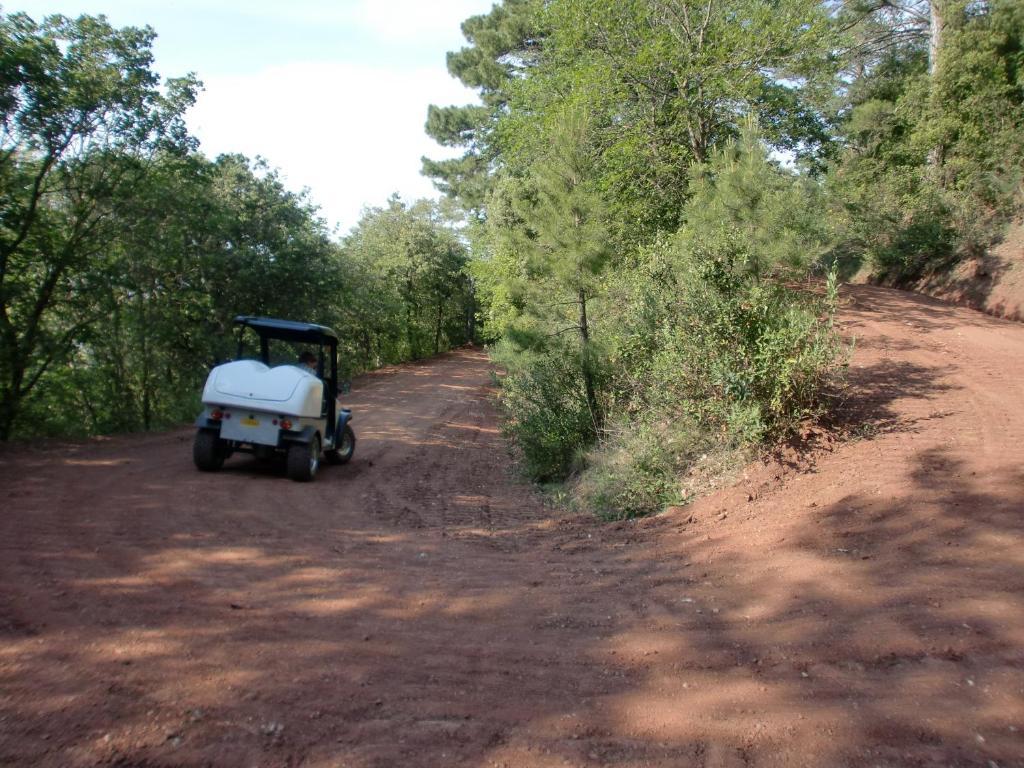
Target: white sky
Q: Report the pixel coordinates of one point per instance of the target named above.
(333, 94)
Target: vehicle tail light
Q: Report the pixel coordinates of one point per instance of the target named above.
(286, 424)
(217, 415)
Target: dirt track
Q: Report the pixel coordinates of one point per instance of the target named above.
(862, 604)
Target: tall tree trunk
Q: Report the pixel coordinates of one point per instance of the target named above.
(9, 404)
(122, 388)
(83, 390)
(412, 311)
(410, 336)
(10, 390)
(437, 328)
(588, 375)
(936, 24)
(147, 416)
(368, 348)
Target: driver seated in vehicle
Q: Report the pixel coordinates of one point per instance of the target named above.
(309, 360)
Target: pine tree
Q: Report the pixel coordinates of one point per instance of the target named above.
(569, 244)
(502, 46)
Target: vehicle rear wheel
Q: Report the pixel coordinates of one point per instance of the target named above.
(304, 460)
(346, 447)
(209, 451)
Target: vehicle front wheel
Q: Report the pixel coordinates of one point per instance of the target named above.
(304, 460)
(209, 451)
(346, 447)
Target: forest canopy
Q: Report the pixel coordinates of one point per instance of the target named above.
(125, 252)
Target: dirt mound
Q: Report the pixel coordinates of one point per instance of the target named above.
(992, 283)
(860, 603)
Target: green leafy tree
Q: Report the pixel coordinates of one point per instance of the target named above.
(190, 245)
(567, 246)
(419, 293)
(143, 352)
(666, 83)
(504, 44)
(273, 255)
(80, 107)
(741, 195)
(556, 225)
(931, 163)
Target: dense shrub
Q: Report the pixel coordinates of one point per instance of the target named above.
(753, 354)
(548, 415)
(640, 467)
(727, 361)
(706, 347)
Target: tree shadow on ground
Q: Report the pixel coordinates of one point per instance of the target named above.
(863, 304)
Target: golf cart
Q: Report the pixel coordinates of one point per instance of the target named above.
(254, 406)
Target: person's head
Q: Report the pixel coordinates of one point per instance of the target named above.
(309, 360)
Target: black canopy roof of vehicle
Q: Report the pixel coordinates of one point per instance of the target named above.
(288, 330)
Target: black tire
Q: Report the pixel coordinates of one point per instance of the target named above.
(208, 451)
(345, 449)
(304, 460)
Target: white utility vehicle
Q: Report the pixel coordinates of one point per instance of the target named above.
(252, 406)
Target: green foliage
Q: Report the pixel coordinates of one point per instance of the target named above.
(745, 357)
(639, 468)
(711, 360)
(739, 194)
(414, 294)
(932, 167)
(549, 418)
(190, 244)
(81, 113)
(900, 222)
(754, 355)
(700, 349)
(555, 226)
(973, 120)
(665, 84)
(502, 46)
(708, 325)
(124, 253)
(638, 232)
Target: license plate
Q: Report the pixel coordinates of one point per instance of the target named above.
(250, 422)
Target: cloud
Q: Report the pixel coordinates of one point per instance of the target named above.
(352, 134)
(390, 21)
(332, 92)
(402, 20)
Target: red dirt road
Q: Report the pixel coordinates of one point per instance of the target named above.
(860, 604)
